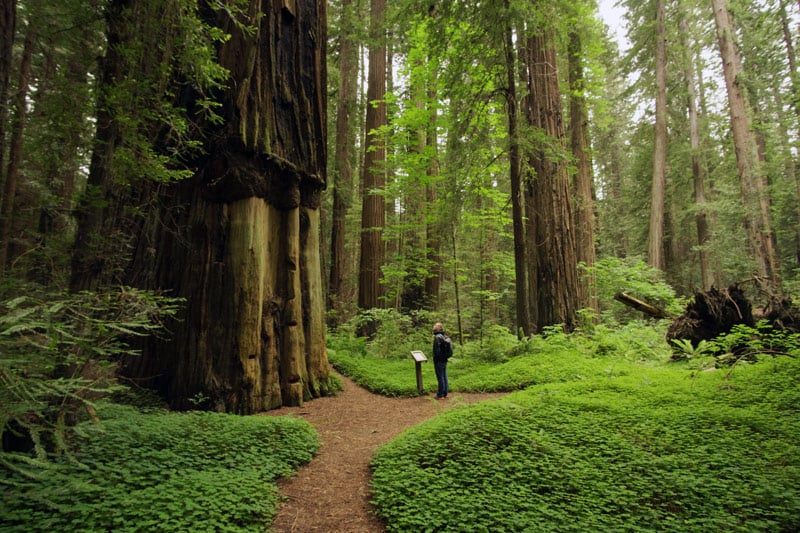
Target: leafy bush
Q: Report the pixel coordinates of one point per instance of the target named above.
(650, 449)
(634, 277)
(762, 340)
(159, 471)
(496, 345)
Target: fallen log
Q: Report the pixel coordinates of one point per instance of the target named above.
(644, 307)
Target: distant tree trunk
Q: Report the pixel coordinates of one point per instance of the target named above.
(698, 167)
(373, 181)
(755, 196)
(15, 147)
(524, 323)
(434, 224)
(795, 98)
(344, 162)
(107, 214)
(583, 187)
(8, 20)
(655, 251)
(240, 240)
(550, 234)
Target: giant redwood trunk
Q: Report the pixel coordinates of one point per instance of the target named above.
(240, 240)
(550, 236)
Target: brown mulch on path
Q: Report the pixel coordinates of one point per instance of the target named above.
(331, 493)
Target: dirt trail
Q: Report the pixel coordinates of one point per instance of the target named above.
(331, 493)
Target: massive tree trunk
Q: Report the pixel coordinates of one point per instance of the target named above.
(240, 240)
(550, 234)
(341, 266)
(755, 196)
(373, 181)
(655, 250)
(583, 186)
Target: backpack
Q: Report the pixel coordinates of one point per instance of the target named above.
(447, 347)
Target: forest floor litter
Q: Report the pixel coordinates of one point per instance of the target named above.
(331, 494)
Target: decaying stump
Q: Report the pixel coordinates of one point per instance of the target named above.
(711, 314)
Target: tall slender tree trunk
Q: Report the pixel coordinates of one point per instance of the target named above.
(795, 97)
(344, 162)
(433, 225)
(583, 187)
(755, 196)
(550, 233)
(524, 323)
(107, 212)
(8, 21)
(15, 147)
(373, 180)
(698, 166)
(655, 249)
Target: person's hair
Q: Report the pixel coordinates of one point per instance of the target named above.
(438, 327)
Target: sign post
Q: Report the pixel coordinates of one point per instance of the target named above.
(419, 358)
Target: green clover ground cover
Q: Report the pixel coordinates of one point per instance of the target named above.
(633, 449)
(158, 471)
(502, 363)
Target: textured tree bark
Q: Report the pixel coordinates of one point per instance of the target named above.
(373, 181)
(15, 148)
(8, 21)
(241, 239)
(524, 323)
(655, 248)
(791, 56)
(698, 165)
(550, 235)
(108, 215)
(434, 228)
(344, 162)
(583, 183)
(755, 196)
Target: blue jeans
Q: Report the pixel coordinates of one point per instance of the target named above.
(440, 367)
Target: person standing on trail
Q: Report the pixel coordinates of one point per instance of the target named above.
(442, 350)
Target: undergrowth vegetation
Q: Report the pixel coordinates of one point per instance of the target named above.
(609, 430)
(73, 461)
(499, 362)
(637, 449)
(159, 471)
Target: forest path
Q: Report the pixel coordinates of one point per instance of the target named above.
(331, 494)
